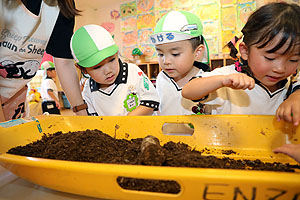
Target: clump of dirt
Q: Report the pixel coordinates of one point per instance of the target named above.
(228, 152)
(98, 147)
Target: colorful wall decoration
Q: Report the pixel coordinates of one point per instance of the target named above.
(243, 12)
(164, 4)
(128, 9)
(221, 20)
(128, 24)
(145, 20)
(114, 14)
(228, 17)
(145, 6)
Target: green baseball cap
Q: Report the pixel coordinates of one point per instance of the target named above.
(47, 65)
(91, 44)
(177, 26)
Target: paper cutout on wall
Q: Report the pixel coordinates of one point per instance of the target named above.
(243, 12)
(208, 12)
(127, 52)
(128, 9)
(110, 27)
(129, 38)
(145, 6)
(143, 36)
(164, 4)
(228, 17)
(149, 50)
(114, 14)
(146, 20)
(128, 24)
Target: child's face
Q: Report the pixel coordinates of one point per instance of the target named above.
(106, 72)
(51, 73)
(176, 58)
(270, 68)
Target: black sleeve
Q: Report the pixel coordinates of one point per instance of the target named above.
(59, 42)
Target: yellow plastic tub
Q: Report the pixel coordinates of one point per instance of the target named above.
(251, 136)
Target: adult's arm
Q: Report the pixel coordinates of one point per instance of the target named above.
(69, 81)
(59, 47)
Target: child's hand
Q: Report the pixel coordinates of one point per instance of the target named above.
(289, 110)
(57, 104)
(239, 81)
(292, 150)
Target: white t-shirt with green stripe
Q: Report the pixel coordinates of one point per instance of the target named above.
(258, 101)
(131, 89)
(171, 100)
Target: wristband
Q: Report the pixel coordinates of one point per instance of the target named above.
(79, 107)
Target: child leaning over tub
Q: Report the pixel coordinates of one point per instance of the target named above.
(265, 81)
(114, 87)
(179, 43)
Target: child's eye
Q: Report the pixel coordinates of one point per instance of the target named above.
(160, 54)
(97, 67)
(268, 58)
(294, 60)
(112, 59)
(175, 54)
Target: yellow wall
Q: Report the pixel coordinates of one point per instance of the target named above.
(99, 11)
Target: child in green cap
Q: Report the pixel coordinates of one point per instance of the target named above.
(114, 87)
(179, 44)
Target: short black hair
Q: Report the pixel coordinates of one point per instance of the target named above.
(196, 41)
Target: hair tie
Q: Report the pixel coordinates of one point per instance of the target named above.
(238, 66)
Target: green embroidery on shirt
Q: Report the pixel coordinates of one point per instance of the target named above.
(191, 125)
(131, 102)
(146, 83)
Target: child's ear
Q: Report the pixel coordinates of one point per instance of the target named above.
(244, 51)
(199, 52)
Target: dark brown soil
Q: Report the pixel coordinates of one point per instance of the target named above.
(98, 147)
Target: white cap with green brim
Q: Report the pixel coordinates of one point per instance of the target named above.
(47, 65)
(177, 26)
(91, 44)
